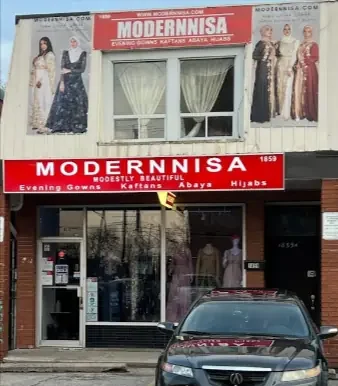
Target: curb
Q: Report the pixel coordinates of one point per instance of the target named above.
(332, 374)
(81, 367)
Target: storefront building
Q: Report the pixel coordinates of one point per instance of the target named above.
(209, 107)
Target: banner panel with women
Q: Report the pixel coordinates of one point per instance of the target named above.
(58, 89)
(285, 65)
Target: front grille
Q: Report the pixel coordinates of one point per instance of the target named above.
(250, 378)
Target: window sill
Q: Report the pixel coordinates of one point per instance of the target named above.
(165, 142)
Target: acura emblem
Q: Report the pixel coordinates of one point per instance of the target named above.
(236, 379)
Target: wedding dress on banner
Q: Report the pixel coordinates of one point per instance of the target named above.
(143, 85)
(201, 83)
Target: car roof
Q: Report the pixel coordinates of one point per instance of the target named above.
(245, 294)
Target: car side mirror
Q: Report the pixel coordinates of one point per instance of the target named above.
(167, 327)
(327, 332)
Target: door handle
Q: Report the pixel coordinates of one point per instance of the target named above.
(313, 298)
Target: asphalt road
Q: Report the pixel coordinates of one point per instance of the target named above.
(71, 379)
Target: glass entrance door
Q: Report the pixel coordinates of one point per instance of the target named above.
(61, 293)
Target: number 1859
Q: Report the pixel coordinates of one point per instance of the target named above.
(268, 158)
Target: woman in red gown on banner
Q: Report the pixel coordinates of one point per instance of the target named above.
(305, 88)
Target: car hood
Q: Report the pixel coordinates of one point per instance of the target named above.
(275, 354)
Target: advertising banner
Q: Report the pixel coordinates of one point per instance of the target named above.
(191, 173)
(60, 61)
(189, 27)
(285, 65)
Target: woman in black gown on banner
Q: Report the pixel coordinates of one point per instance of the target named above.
(263, 106)
(69, 110)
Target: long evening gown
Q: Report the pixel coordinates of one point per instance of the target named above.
(44, 72)
(263, 106)
(232, 263)
(305, 89)
(287, 50)
(69, 110)
(179, 297)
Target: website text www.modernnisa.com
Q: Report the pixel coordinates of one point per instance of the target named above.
(171, 13)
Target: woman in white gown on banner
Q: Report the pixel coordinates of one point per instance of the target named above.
(286, 53)
(42, 85)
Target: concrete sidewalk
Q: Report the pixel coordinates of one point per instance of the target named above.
(78, 360)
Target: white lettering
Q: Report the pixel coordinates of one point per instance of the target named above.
(137, 29)
(74, 168)
(87, 168)
(183, 26)
(113, 167)
(134, 165)
(214, 165)
(180, 165)
(236, 163)
(45, 170)
(123, 29)
(149, 29)
(155, 166)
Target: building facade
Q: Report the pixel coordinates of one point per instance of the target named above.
(227, 111)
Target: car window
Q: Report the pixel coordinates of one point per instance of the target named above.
(249, 318)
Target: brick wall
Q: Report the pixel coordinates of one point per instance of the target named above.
(255, 240)
(26, 284)
(329, 285)
(4, 275)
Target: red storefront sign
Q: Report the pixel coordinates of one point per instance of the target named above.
(190, 27)
(152, 174)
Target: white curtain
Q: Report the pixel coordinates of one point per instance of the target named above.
(201, 82)
(143, 85)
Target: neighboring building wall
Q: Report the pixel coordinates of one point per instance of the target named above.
(329, 285)
(4, 274)
(325, 136)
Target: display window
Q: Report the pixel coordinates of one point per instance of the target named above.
(134, 264)
(123, 256)
(203, 251)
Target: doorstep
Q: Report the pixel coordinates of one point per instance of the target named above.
(49, 359)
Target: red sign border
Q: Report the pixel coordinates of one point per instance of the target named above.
(145, 157)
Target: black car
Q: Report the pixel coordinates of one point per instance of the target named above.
(249, 337)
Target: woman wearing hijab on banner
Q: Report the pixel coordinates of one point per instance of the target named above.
(70, 106)
(305, 88)
(263, 106)
(42, 85)
(286, 54)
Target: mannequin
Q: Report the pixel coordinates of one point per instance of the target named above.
(232, 264)
(179, 296)
(208, 262)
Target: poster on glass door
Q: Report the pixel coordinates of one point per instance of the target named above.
(92, 299)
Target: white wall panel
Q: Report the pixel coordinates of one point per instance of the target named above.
(15, 143)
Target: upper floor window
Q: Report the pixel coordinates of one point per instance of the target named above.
(139, 100)
(173, 95)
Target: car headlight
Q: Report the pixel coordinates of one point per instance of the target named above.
(297, 375)
(178, 370)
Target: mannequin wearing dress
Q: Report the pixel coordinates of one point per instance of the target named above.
(179, 297)
(208, 265)
(232, 264)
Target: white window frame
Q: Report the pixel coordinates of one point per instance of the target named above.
(173, 114)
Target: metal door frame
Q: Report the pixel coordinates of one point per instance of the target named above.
(81, 293)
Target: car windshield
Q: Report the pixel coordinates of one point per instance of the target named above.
(260, 318)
